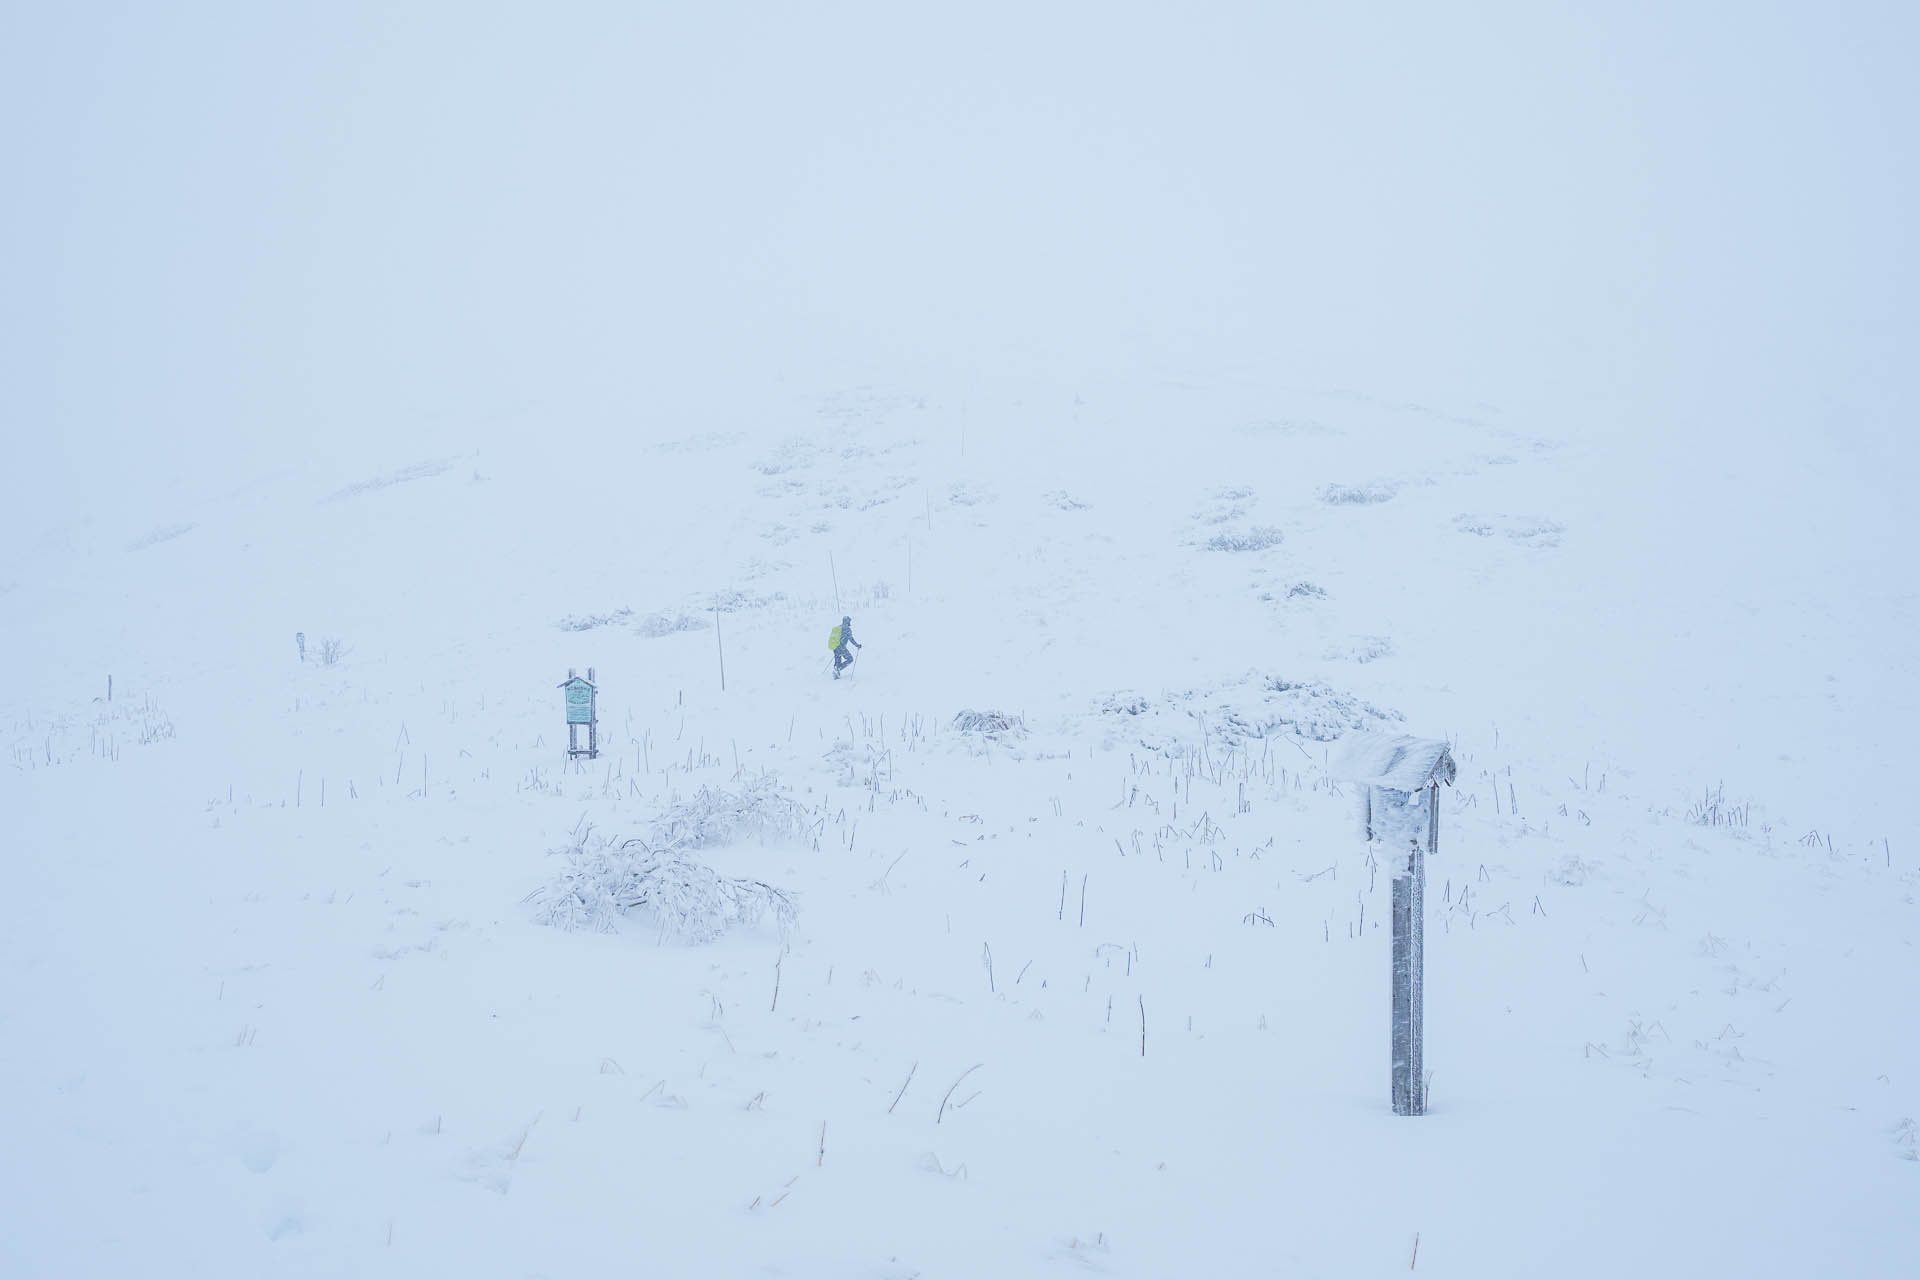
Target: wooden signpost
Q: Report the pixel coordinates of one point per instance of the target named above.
(582, 709)
(1400, 779)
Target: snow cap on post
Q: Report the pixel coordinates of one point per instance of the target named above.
(1394, 761)
(1396, 776)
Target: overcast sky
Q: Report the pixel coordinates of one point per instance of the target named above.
(238, 232)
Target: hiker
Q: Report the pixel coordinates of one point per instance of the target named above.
(839, 640)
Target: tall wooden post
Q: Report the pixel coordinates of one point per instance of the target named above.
(1399, 779)
(1409, 966)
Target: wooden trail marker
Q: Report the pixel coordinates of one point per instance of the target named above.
(1399, 779)
(582, 709)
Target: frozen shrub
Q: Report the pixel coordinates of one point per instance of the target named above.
(1314, 710)
(333, 651)
(793, 453)
(1569, 871)
(733, 601)
(1358, 494)
(1258, 538)
(715, 816)
(990, 724)
(756, 567)
(1528, 531)
(655, 625)
(1362, 649)
(606, 878)
(588, 621)
(1124, 703)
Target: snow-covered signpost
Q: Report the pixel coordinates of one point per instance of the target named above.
(582, 710)
(1399, 779)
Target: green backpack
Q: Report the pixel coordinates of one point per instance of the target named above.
(833, 637)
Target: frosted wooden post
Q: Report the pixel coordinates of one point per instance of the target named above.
(582, 709)
(1399, 779)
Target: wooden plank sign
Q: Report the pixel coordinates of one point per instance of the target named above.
(579, 702)
(581, 710)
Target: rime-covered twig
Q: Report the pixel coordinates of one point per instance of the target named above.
(940, 1114)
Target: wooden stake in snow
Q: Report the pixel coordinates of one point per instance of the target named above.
(1399, 780)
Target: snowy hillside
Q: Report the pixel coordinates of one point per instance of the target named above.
(1166, 393)
(1099, 986)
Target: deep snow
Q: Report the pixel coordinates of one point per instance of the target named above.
(275, 1003)
(1166, 395)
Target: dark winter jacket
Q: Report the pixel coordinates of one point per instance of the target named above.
(846, 636)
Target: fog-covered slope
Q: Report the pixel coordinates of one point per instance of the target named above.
(1165, 397)
(281, 1004)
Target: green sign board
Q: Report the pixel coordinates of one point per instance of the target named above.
(579, 703)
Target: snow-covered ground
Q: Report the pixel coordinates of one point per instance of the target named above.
(1104, 990)
(1166, 393)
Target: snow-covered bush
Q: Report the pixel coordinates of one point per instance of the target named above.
(1313, 709)
(655, 625)
(1361, 649)
(1225, 505)
(1358, 494)
(713, 816)
(1528, 531)
(1258, 538)
(793, 453)
(605, 877)
(969, 494)
(333, 650)
(989, 724)
(588, 621)
(1569, 871)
